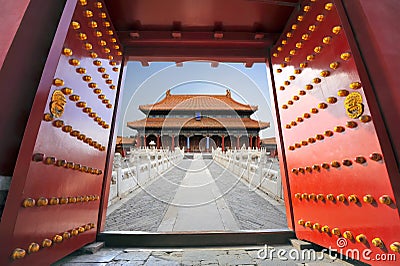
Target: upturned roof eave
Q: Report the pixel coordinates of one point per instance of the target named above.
(142, 124)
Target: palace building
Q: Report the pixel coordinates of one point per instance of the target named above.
(198, 123)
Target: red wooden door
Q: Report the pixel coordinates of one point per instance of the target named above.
(58, 192)
(340, 168)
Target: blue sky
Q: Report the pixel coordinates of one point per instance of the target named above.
(146, 85)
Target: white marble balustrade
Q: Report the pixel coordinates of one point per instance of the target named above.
(255, 167)
(139, 167)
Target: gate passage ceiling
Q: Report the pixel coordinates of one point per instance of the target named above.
(179, 30)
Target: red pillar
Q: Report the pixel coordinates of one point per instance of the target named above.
(223, 143)
(173, 143)
(251, 141)
(258, 142)
(158, 141)
(188, 143)
(138, 141)
(238, 142)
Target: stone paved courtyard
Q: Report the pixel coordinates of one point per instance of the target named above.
(146, 208)
(252, 210)
(196, 195)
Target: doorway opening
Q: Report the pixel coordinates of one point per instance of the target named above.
(195, 151)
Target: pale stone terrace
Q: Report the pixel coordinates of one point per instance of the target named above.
(196, 195)
(199, 195)
(146, 207)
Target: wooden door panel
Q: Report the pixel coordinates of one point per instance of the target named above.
(54, 208)
(333, 150)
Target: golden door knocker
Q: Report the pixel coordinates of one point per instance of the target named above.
(353, 104)
(57, 104)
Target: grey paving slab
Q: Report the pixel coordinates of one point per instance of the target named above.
(198, 256)
(102, 256)
(145, 210)
(253, 254)
(133, 256)
(93, 247)
(300, 244)
(190, 263)
(209, 262)
(235, 259)
(198, 204)
(125, 263)
(175, 256)
(252, 211)
(202, 255)
(154, 261)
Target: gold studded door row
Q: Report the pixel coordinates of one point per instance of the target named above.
(339, 183)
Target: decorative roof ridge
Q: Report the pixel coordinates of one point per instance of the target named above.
(168, 95)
